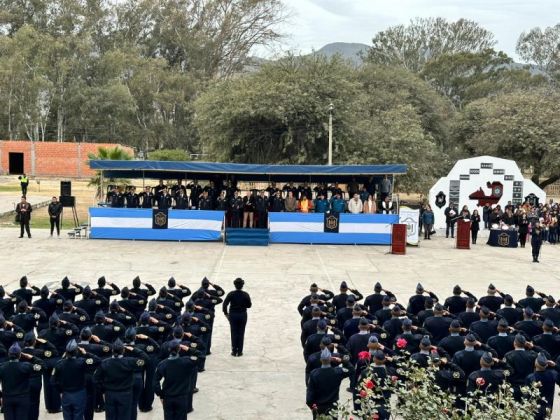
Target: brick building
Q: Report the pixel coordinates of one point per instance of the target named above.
(49, 158)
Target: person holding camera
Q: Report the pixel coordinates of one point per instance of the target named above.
(23, 211)
(24, 182)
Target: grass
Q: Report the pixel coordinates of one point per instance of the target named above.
(43, 222)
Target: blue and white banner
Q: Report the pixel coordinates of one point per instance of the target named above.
(182, 225)
(308, 228)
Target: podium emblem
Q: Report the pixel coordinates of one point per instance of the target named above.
(503, 239)
(332, 222)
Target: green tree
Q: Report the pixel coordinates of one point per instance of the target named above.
(424, 39)
(168, 154)
(523, 126)
(110, 153)
(280, 113)
(541, 48)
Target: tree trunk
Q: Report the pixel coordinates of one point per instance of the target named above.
(548, 181)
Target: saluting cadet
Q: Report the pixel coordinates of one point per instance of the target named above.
(25, 292)
(520, 363)
(115, 378)
(416, 302)
(177, 374)
(69, 376)
(15, 377)
(486, 379)
(235, 308)
(547, 379)
(67, 292)
(456, 304)
(373, 302)
(339, 301)
(324, 384)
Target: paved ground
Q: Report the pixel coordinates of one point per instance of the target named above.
(9, 200)
(268, 382)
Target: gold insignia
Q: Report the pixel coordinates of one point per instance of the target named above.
(383, 335)
(161, 329)
(194, 358)
(59, 301)
(214, 301)
(106, 349)
(98, 302)
(36, 368)
(48, 353)
(333, 322)
(337, 337)
(220, 293)
(19, 335)
(160, 219)
(37, 316)
(168, 316)
(331, 222)
(117, 328)
(68, 332)
(193, 345)
(82, 318)
(140, 362)
(149, 349)
(506, 372)
(503, 239)
(456, 375)
(177, 303)
(141, 302)
(206, 316)
(202, 329)
(89, 361)
(127, 318)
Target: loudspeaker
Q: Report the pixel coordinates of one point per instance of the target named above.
(65, 188)
(67, 200)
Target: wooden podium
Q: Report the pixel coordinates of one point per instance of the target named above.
(398, 239)
(463, 234)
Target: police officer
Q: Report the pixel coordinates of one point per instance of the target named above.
(70, 375)
(235, 308)
(115, 378)
(67, 292)
(520, 363)
(106, 292)
(536, 241)
(456, 304)
(55, 210)
(324, 384)
(177, 374)
(416, 302)
(35, 384)
(547, 380)
(486, 379)
(15, 376)
(23, 182)
(25, 292)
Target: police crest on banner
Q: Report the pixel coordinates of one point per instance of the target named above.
(410, 218)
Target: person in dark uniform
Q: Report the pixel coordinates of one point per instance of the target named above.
(115, 378)
(491, 301)
(69, 376)
(236, 206)
(238, 302)
(456, 304)
(23, 210)
(25, 292)
(485, 379)
(15, 376)
(177, 374)
(181, 200)
(67, 292)
(339, 301)
(416, 302)
(205, 202)
(373, 302)
(261, 208)
(55, 210)
(148, 199)
(164, 200)
(536, 241)
(535, 303)
(24, 183)
(520, 363)
(196, 192)
(324, 384)
(547, 380)
(106, 292)
(132, 200)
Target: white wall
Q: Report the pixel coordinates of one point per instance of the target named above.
(473, 174)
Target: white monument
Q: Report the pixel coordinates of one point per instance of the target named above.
(478, 180)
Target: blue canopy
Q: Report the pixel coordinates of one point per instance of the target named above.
(240, 171)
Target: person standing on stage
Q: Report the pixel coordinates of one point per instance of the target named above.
(450, 219)
(23, 210)
(55, 210)
(475, 225)
(238, 302)
(536, 241)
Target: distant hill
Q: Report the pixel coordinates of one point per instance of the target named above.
(350, 51)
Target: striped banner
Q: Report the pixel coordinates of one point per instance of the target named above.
(308, 228)
(183, 225)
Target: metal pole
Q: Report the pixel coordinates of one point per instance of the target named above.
(331, 108)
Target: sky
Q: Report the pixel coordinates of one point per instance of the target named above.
(314, 23)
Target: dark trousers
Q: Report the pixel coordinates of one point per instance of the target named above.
(118, 405)
(35, 386)
(147, 395)
(136, 392)
(24, 188)
(262, 219)
(474, 235)
(175, 408)
(55, 222)
(427, 231)
(237, 323)
(51, 394)
(74, 405)
(16, 408)
(450, 227)
(536, 248)
(24, 225)
(522, 237)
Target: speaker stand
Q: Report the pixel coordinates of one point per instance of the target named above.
(74, 217)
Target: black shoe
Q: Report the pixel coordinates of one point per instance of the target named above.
(349, 389)
(146, 410)
(54, 411)
(29, 236)
(201, 370)
(209, 353)
(234, 354)
(190, 410)
(20, 237)
(240, 354)
(195, 390)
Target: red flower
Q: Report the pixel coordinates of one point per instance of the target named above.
(394, 378)
(369, 384)
(375, 417)
(314, 407)
(401, 343)
(445, 410)
(434, 351)
(480, 381)
(363, 393)
(364, 355)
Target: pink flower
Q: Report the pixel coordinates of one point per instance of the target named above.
(364, 355)
(480, 382)
(394, 378)
(369, 384)
(375, 417)
(363, 393)
(401, 343)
